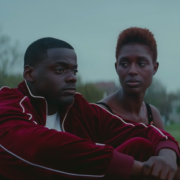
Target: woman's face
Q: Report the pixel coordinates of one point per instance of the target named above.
(135, 68)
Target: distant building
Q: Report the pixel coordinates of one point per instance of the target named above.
(174, 115)
(107, 87)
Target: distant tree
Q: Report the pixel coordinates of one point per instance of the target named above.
(89, 91)
(9, 57)
(158, 96)
(178, 110)
(177, 98)
(11, 80)
(79, 81)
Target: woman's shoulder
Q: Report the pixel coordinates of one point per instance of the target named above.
(105, 105)
(106, 102)
(108, 98)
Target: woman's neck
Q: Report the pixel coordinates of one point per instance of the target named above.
(130, 102)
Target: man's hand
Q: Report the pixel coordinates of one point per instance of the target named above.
(177, 176)
(162, 166)
(137, 168)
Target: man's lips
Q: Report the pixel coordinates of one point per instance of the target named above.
(69, 91)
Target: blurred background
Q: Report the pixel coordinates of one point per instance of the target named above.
(92, 28)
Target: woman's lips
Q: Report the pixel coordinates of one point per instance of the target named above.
(132, 83)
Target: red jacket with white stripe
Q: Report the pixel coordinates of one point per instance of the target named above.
(85, 149)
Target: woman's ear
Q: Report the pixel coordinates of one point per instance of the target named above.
(156, 66)
(115, 65)
(28, 73)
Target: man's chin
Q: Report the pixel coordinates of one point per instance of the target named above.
(66, 101)
(63, 101)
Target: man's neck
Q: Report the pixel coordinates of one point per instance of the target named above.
(52, 109)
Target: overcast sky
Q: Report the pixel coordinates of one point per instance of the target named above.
(92, 27)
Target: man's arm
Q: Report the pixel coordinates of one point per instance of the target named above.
(30, 151)
(165, 148)
(115, 131)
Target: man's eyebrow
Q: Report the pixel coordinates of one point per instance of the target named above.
(64, 63)
(143, 58)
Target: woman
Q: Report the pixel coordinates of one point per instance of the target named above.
(136, 55)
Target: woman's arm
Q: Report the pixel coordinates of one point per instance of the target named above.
(157, 118)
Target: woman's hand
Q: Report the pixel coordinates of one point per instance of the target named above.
(162, 167)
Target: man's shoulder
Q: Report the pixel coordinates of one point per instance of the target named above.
(5, 89)
(80, 103)
(80, 100)
(10, 97)
(7, 92)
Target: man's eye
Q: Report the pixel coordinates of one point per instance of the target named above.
(75, 71)
(60, 71)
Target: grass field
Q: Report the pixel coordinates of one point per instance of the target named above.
(174, 130)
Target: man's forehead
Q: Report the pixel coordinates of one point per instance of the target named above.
(60, 52)
(61, 56)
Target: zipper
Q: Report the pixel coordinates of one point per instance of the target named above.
(66, 116)
(37, 98)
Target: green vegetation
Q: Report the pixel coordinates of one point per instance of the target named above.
(89, 91)
(158, 96)
(9, 58)
(174, 130)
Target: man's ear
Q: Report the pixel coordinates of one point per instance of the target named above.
(28, 73)
(156, 66)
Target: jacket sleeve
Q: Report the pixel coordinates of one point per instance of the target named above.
(32, 151)
(115, 131)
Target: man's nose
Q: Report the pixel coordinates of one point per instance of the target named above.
(71, 77)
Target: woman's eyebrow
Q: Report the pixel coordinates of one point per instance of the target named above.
(123, 58)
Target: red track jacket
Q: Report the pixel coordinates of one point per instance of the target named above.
(85, 149)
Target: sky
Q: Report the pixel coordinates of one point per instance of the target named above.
(92, 28)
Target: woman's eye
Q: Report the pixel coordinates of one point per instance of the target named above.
(142, 64)
(124, 64)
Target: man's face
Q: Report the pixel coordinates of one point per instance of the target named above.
(55, 77)
(135, 68)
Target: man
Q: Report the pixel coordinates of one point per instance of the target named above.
(47, 131)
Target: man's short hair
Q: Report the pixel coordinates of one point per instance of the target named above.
(37, 51)
(137, 35)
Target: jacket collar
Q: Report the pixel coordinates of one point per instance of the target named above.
(38, 102)
(24, 88)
